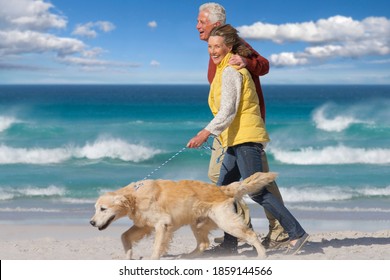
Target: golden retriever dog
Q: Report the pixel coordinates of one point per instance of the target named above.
(164, 206)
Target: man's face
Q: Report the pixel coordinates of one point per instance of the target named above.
(204, 25)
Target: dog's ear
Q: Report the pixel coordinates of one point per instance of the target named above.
(119, 199)
(126, 201)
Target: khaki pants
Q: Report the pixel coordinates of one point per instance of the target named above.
(276, 231)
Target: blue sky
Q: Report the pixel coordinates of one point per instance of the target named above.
(156, 42)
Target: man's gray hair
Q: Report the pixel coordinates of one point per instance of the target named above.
(216, 12)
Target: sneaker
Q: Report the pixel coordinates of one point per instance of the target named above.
(269, 244)
(222, 250)
(292, 250)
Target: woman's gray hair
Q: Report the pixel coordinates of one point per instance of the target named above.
(216, 12)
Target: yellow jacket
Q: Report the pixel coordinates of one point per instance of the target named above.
(247, 126)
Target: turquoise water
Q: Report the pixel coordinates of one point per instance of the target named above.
(62, 146)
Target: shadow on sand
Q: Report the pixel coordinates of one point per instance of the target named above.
(313, 247)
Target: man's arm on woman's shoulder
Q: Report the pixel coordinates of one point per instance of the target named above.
(256, 64)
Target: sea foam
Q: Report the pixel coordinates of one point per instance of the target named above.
(301, 194)
(7, 122)
(101, 148)
(337, 123)
(8, 193)
(336, 117)
(332, 155)
(339, 209)
(29, 210)
(336, 193)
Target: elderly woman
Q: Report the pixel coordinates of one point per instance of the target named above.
(238, 123)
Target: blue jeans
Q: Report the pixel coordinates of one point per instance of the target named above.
(241, 161)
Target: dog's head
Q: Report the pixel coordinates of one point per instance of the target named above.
(108, 208)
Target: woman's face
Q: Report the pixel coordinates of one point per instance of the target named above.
(217, 48)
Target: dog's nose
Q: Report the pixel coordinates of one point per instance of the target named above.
(92, 223)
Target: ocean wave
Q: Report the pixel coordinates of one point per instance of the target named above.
(69, 200)
(337, 123)
(335, 117)
(7, 122)
(13, 193)
(339, 209)
(332, 155)
(101, 148)
(58, 194)
(29, 210)
(325, 194)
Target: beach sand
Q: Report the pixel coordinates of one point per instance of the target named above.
(83, 242)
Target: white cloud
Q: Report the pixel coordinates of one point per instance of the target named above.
(27, 41)
(337, 36)
(381, 61)
(26, 28)
(287, 59)
(89, 62)
(85, 30)
(155, 63)
(105, 26)
(31, 15)
(152, 24)
(88, 29)
(94, 52)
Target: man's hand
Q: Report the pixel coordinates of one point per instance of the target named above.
(238, 61)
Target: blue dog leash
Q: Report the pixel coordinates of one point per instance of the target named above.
(205, 146)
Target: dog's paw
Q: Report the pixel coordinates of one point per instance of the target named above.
(129, 255)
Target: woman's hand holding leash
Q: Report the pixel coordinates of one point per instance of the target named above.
(199, 139)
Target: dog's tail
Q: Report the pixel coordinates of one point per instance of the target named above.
(252, 184)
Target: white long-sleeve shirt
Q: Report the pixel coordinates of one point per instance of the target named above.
(230, 100)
